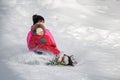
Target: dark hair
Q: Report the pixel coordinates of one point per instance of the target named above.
(35, 28)
(37, 18)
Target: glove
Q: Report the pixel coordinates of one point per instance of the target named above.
(42, 40)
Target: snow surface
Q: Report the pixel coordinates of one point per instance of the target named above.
(89, 29)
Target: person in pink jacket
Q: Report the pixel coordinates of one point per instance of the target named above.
(50, 44)
(37, 19)
(42, 42)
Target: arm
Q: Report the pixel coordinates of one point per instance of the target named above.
(51, 37)
(50, 42)
(48, 45)
(32, 43)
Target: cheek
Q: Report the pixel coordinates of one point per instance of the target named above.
(39, 33)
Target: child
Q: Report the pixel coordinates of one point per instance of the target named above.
(37, 19)
(39, 41)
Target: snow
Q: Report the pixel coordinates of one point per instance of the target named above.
(89, 29)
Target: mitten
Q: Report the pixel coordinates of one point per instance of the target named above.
(42, 40)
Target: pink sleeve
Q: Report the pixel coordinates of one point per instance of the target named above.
(28, 38)
(50, 35)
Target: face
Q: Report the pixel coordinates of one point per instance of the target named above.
(39, 31)
(40, 22)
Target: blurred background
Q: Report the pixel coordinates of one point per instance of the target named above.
(89, 29)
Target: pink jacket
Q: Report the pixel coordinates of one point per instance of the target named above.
(49, 46)
(47, 32)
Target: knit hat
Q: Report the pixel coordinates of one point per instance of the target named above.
(37, 18)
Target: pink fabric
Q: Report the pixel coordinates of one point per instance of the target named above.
(50, 35)
(29, 35)
(49, 46)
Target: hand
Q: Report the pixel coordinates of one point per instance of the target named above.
(42, 40)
